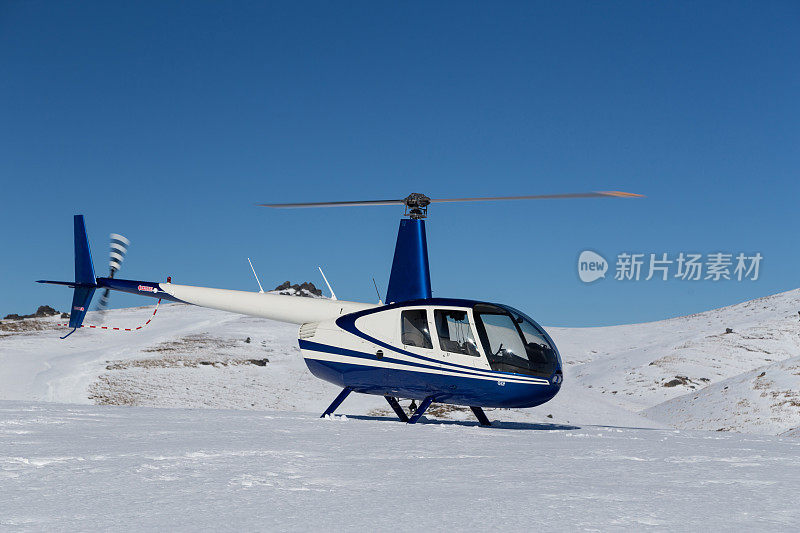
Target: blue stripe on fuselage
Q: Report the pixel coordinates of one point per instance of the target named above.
(459, 390)
(317, 347)
(471, 372)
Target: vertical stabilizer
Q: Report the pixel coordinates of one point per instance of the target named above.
(411, 277)
(84, 269)
(85, 282)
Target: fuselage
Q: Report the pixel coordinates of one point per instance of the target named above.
(461, 352)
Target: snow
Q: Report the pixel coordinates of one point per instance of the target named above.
(634, 364)
(223, 434)
(79, 467)
(764, 400)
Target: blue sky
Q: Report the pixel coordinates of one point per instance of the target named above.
(168, 121)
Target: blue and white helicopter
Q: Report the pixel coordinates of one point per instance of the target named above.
(413, 347)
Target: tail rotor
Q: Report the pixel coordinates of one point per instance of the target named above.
(119, 247)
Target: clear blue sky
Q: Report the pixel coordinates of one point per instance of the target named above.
(168, 121)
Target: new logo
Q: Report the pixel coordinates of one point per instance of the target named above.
(591, 266)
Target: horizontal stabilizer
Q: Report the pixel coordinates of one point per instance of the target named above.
(66, 283)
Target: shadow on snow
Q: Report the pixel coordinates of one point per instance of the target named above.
(529, 426)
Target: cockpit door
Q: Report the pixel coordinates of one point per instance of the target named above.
(455, 337)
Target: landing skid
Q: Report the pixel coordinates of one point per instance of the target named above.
(477, 411)
(421, 410)
(480, 415)
(396, 408)
(337, 402)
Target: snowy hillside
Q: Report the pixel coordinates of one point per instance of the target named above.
(110, 468)
(764, 400)
(684, 372)
(687, 372)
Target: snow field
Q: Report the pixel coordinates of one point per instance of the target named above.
(66, 467)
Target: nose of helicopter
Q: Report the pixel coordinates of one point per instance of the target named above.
(537, 394)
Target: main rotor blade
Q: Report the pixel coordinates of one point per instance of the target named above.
(336, 204)
(596, 194)
(421, 200)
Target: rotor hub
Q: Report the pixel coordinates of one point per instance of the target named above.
(416, 205)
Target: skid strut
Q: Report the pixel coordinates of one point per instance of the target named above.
(421, 410)
(397, 409)
(480, 415)
(337, 402)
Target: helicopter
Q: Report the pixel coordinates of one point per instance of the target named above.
(412, 347)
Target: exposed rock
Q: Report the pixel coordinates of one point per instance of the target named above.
(684, 380)
(43, 311)
(306, 289)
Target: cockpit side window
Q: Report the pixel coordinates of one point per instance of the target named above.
(513, 342)
(415, 328)
(455, 333)
(504, 340)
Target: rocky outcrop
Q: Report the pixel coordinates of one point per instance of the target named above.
(306, 289)
(43, 311)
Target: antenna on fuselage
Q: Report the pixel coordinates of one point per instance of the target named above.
(333, 296)
(380, 302)
(260, 288)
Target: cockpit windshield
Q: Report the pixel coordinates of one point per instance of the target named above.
(514, 342)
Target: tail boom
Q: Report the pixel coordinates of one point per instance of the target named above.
(292, 309)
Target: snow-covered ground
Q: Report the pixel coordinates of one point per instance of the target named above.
(601, 456)
(68, 468)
